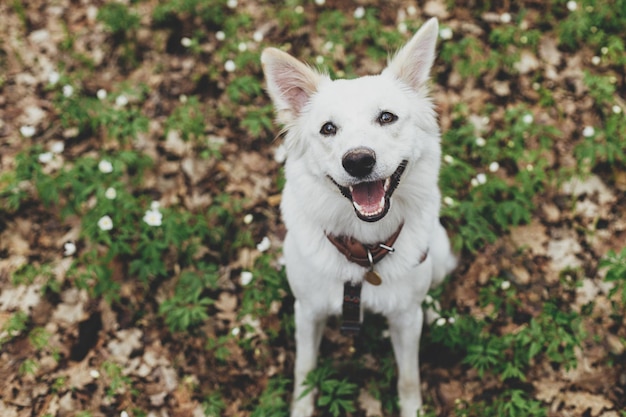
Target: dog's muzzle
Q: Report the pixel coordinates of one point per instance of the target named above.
(371, 199)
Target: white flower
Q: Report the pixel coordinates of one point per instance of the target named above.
(596, 60)
(58, 147)
(411, 10)
(185, 41)
(505, 17)
(319, 59)
(155, 205)
(232, 4)
(105, 166)
(474, 182)
(105, 223)
(505, 285)
(617, 109)
(428, 299)
(27, 131)
(481, 178)
(494, 166)
(110, 193)
(220, 36)
(402, 27)
(445, 33)
(441, 321)
(264, 244)
(94, 374)
(528, 118)
(320, 2)
(257, 36)
(101, 94)
(604, 50)
(243, 47)
(235, 331)
(247, 219)
(589, 131)
(124, 413)
(448, 201)
(68, 90)
(480, 141)
(121, 100)
(530, 167)
(69, 248)
(451, 320)
(523, 39)
(572, 6)
(448, 159)
(230, 66)
(359, 12)
(298, 9)
(45, 157)
(54, 78)
(246, 278)
(153, 218)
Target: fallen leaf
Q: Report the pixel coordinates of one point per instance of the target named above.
(369, 404)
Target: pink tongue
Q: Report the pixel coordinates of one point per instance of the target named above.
(369, 195)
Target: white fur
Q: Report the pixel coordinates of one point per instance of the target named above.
(313, 206)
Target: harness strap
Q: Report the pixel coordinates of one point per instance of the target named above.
(351, 320)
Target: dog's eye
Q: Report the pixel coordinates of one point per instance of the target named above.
(386, 118)
(328, 129)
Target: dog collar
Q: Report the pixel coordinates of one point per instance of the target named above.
(360, 253)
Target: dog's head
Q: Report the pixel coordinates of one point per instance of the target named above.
(359, 135)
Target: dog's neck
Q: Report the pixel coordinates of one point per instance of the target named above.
(364, 254)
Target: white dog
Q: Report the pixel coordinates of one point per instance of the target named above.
(361, 203)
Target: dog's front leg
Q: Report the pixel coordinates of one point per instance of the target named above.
(309, 330)
(405, 330)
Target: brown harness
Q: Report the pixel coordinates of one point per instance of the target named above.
(365, 255)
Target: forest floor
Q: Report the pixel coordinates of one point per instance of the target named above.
(86, 331)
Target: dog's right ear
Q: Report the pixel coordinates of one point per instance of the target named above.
(414, 60)
(290, 83)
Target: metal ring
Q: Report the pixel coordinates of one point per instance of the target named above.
(370, 258)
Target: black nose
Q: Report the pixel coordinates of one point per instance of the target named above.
(359, 162)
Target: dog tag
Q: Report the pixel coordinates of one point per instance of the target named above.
(372, 277)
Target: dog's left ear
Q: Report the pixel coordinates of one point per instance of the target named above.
(413, 62)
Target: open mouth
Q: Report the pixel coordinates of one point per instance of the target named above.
(371, 199)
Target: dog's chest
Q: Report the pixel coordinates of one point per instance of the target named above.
(393, 295)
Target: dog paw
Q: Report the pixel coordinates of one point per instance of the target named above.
(300, 409)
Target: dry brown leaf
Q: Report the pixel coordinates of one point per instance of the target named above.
(532, 236)
(227, 306)
(585, 403)
(369, 404)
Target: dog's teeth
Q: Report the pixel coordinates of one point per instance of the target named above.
(387, 184)
(357, 206)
